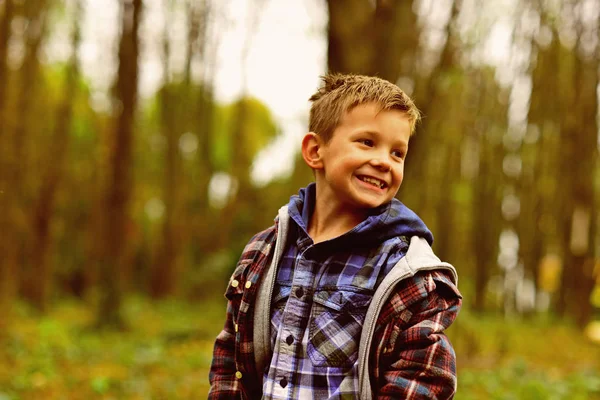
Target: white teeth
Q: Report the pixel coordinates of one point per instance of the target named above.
(373, 181)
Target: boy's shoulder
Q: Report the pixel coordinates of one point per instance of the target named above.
(426, 279)
(429, 289)
(259, 243)
(254, 258)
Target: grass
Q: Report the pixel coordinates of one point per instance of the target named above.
(524, 358)
(166, 354)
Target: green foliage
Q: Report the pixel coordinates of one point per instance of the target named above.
(534, 358)
(241, 128)
(166, 353)
(493, 340)
(519, 380)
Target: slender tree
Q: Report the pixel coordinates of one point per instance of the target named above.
(7, 265)
(20, 129)
(165, 270)
(53, 175)
(536, 153)
(116, 206)
(579, 138)
(488, 129)
(375, 38)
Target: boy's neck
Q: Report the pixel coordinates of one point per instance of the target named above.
(330, 220)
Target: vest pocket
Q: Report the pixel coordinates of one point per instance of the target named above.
(335, 327)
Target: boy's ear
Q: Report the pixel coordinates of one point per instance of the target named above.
(311, 150)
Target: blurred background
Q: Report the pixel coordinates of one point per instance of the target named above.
(143, 142)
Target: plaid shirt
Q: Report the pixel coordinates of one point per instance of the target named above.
(411, 358)
(319, 304)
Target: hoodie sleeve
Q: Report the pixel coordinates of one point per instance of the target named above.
(416, 359)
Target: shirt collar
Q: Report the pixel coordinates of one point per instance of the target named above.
(302, 205)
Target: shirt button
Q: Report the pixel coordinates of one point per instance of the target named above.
(283, 382)
(235, 326)
(234, 283)
(299, 293)
(248, 284)
(289, 340)
(238, 375)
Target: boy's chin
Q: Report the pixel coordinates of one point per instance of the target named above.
(375, 200)
(371, 204)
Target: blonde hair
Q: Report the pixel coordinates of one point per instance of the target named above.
(341, 93)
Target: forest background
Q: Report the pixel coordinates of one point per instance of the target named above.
(129, 184)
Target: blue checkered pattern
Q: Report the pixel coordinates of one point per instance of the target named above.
(321, 296)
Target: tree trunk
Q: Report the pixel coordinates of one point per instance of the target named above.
(349, 36)
(41, 285)
(578, 136)
(579, 140)
(379, 39)
(486, 227)
(165, 273)
(18, 159)
(116, 221)
(8, 270)
(489, 125)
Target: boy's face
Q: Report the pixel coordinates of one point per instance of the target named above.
(362, 165)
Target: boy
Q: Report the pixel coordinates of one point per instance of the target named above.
(342, 297)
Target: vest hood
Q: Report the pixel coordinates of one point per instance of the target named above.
(384, 222)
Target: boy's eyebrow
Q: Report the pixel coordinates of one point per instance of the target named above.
(400, 143)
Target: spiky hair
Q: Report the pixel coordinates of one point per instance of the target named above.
(340, 93)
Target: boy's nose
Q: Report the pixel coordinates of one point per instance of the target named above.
(381, 164)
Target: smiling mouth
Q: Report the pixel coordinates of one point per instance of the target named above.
(373, 181)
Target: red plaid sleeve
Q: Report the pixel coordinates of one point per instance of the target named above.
(416, 359)
(223, 383)
(232, 372)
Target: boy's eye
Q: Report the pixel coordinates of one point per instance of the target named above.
(367, 142)
(398, 154)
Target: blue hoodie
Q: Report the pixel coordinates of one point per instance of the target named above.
(385, 222)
